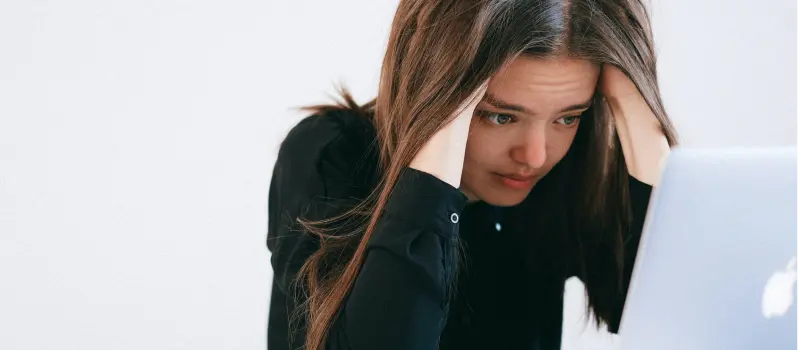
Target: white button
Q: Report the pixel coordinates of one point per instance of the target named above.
(497, 227)
(454, 218)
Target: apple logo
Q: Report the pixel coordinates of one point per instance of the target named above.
(779, 291)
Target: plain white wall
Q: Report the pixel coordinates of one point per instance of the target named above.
(137, 140)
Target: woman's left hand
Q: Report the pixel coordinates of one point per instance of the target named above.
(615, 85)
(643, 143)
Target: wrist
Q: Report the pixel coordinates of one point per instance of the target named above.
(631, 108)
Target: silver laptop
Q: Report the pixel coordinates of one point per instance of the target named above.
(716, 267)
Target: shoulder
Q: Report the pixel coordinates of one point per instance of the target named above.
(321, 171)
(335, 149)
(318, 131)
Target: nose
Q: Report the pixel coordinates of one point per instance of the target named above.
(532, 152)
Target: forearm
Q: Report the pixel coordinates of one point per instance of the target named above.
(643, 143)
(398, 300)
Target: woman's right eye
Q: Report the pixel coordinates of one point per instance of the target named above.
(497, 118)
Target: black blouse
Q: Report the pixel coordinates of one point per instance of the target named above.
(327, 164)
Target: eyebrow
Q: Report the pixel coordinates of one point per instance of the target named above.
(497, 103)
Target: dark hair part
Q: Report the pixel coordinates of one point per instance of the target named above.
(439, 53)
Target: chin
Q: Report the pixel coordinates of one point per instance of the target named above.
(491, 192)
(500, 199)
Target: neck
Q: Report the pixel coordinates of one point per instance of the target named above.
(471, 197)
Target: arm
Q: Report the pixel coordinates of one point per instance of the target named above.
(639, 198)
(398, 299)
(643, 143)
(644, 147)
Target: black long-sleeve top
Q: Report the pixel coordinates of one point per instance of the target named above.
(326, 164)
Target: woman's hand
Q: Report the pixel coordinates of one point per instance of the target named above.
(443, 155)
(643, 143)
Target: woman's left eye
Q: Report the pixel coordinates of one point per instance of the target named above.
(570, 120)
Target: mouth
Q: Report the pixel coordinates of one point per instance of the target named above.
(515, 181)
(518, 177)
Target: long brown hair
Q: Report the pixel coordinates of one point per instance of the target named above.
(439, 52)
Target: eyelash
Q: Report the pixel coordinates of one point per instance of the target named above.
(577, 119)
(486, 115)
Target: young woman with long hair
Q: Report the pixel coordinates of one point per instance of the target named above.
(512, 144)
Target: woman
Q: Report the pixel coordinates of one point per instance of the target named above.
(512, 144)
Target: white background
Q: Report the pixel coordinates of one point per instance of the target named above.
(137, 140)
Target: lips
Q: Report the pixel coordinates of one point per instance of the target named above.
(518, 177)
(515, 181)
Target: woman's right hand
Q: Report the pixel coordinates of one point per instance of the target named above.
(443, 155)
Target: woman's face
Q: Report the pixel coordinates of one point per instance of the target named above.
(524, 126)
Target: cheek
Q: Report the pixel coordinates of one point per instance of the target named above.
(559, 144)
(484, 148)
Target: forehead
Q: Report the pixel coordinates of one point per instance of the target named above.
(545, 85)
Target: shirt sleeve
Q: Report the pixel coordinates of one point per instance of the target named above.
(398, 300)
(640, 199)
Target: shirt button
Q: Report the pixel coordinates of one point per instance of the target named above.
(454, 218)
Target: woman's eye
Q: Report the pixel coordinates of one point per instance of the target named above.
(570, 120)
(499, 119)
